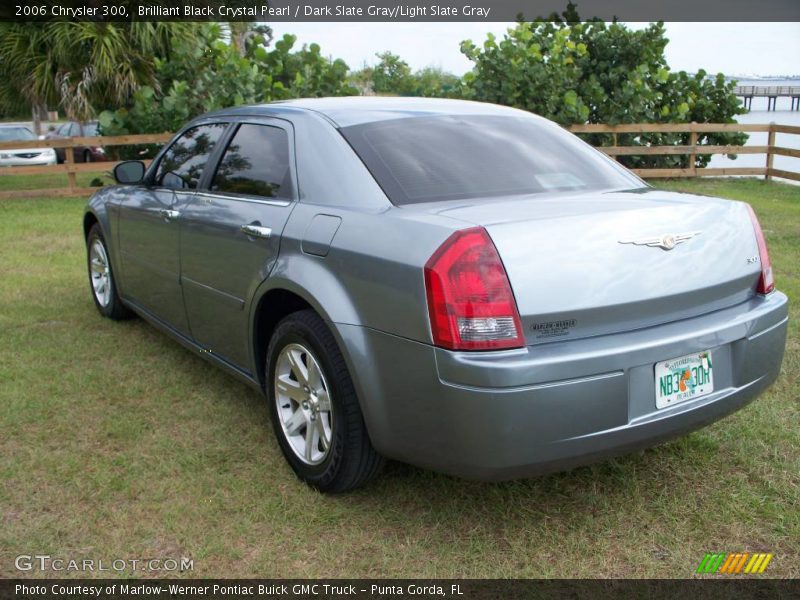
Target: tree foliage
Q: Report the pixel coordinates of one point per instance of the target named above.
(434, 82)
(392, 76)
(208, 73)
(304, 73)
(81, 67)
(153, 77)
(597, 72)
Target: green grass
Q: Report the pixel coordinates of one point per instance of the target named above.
(54, 180)
(118, 443)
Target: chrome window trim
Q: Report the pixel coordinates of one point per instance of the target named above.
(254, 200)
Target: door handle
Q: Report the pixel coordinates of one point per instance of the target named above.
(256, 231)
(169, 214)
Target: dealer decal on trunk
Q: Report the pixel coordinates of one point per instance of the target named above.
(553, 328)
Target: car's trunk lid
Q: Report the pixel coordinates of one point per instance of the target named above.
(580, 265)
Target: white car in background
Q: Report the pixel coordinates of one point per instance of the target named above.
(24, 156)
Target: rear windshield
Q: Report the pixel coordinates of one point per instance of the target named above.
(425, 159)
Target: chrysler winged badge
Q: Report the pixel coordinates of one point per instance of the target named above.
(666, 242)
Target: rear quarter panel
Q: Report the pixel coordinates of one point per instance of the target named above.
(371, 275)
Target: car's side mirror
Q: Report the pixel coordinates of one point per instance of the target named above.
(130, 171)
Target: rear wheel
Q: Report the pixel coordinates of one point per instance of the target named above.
(314, 408)
(101, 277)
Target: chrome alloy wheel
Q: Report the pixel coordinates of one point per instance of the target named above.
(100, 273)
(303, 404)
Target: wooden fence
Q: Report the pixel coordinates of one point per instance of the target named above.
(70, 167)
(770, 150)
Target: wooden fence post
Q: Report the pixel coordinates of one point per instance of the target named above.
(616, 143)
(693, 143)
(770, 146)
(69, 160)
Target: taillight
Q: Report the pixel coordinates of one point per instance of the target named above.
(766, 283)
(470, 301)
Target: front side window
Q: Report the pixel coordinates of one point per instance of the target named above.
(182, 165)
(428, 159)
(256, 163)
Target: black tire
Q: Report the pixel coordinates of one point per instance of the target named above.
(87, 156)
(351, 461)
(114, 308)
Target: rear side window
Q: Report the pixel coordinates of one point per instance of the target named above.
(256, 163)
(425, 159)
(182, 165)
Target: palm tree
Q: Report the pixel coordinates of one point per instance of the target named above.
(244, 33)
(81, 66)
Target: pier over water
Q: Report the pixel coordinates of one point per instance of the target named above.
(770, 92)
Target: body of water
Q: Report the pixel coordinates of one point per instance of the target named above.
(760, 114)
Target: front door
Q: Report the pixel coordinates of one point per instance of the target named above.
(230, 236)
(149, 227)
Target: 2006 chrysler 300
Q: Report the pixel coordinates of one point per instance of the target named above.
(456, 285)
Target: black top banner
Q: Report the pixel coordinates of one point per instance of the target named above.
(396, 10)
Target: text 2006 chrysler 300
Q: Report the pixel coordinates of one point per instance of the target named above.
(456, 285)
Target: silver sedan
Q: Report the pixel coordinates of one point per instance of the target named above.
(24, 156)
(460, 286)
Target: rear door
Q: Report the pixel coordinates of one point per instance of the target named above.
(149, 222)
(231, 231)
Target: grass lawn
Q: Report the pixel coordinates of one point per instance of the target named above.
(54, 180)
(118, 443)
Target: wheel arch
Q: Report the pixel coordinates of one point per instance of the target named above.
(272, 306)
(99, 210)
(89, 221)
(280, 297)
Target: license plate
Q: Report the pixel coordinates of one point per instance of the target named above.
(684, 378)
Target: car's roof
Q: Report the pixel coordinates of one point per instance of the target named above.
(355, 110)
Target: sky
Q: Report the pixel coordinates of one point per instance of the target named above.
(730, 48)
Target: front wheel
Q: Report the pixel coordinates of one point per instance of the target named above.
(314, 408)
(101, 277)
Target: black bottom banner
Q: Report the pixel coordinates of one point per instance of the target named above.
(450, 589)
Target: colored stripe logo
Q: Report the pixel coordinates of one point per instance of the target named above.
(734, 564)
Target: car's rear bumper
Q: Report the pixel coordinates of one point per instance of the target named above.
(503, 415)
